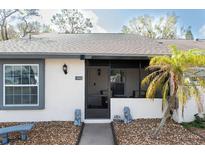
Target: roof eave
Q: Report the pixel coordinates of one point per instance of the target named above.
(48, 55)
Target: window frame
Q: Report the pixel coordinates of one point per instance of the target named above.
(21, 85)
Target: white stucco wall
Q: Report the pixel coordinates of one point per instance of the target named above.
(139, 107)
(190, 110)
(146, 108)
(63, 94)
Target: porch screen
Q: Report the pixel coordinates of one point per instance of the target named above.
(125, 82)
(126, 77)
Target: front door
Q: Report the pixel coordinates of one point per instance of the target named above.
(97, 93)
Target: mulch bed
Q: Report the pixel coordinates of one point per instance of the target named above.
(140, 130)
(48, 133)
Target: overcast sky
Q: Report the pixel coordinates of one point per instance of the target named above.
(111, 21)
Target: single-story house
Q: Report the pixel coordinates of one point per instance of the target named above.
(46, 77)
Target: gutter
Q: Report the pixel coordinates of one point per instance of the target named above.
(76, 56)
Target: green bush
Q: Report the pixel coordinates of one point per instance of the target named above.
(198, 122)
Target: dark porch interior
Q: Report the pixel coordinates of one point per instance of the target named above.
(107, 79)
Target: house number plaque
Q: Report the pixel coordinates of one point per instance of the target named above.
(78, 77)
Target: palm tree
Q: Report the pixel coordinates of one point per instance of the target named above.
(176, 77)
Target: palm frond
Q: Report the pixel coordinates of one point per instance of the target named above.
(150, 77)
(156, 84)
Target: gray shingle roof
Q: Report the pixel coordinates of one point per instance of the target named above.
(185, 44)
(93, 44)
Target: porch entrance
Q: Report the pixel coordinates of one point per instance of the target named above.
(98, 99)
(107, 79)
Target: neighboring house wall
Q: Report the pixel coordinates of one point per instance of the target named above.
(139, 107)
(63, 94)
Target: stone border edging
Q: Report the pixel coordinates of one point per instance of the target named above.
(113, 134)
(80, 134)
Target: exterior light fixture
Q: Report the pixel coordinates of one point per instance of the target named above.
(65, 69)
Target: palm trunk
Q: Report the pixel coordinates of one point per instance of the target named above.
(166, 115)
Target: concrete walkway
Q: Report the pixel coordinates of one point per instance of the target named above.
(97, 134)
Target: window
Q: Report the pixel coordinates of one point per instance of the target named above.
(21, 85)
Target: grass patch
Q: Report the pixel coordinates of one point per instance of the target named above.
(199, 122)
(196, 124)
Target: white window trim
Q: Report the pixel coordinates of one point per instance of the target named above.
(29, 85)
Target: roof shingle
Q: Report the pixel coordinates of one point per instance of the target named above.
(94, 44)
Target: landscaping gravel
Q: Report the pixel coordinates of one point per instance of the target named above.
(48, 133)
(140, 130)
